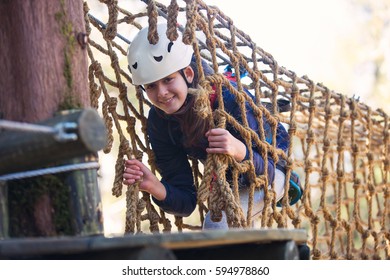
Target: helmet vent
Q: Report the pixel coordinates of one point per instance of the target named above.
(158, 58)
(170, 46)
(135, 65)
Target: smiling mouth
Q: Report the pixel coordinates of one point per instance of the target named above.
(165, 101)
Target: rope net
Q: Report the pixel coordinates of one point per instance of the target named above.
(339, 146)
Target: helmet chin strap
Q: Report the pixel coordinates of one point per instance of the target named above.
(181, 71)
(186, 103)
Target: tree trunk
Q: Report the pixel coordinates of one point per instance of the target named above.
(44, 70)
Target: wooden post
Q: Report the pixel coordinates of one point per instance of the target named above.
(21, 151)
(66, 203)
(43, 62)
(3, 211)
(86, 213)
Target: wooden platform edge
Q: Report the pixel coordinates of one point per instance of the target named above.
(81, 244)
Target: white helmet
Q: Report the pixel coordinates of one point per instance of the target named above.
(149, 63)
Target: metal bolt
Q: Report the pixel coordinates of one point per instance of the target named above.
(82, 39)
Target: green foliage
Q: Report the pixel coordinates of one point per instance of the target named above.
(23, 198)
(66, 28)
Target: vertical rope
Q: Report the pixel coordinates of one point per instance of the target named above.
(152, 20)
(325, 171)
(111, 29)
(341, 180)
(173, 11)
(314, 219)
(191, 14)
(386, 179)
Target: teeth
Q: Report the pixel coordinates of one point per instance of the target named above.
(167, 100)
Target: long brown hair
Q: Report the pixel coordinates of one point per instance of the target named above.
(192, 125)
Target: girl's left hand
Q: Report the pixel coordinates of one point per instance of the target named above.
(222, 142)
(136, 171)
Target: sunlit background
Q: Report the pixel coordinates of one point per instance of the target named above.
(344, 44)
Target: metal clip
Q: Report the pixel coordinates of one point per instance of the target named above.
(65, 132)
(356, 98)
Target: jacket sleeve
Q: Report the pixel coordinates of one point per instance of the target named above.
(232, 107)
(175, 170)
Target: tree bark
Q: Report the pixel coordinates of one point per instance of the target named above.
(42, 66)
(43, 70)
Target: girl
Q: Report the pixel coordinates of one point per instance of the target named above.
(166, 71)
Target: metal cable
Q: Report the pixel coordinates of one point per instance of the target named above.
(50, 170)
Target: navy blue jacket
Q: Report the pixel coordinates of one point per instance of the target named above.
(165, 136)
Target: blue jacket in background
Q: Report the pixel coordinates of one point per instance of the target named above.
(165, 136)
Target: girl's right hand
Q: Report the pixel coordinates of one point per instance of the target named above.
(132, 172)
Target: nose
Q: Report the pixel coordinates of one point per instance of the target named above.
(161, 90)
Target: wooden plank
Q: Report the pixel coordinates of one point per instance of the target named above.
(214, 237)
(77, 245)
(275, 250)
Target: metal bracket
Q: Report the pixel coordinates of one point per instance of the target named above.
(65, 131)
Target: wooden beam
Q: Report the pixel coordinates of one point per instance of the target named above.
(217, 244)
(21, 151)
(3, 211)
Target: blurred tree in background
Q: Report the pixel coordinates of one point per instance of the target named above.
(374, 50)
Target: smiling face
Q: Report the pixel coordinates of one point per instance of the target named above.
(169, 93)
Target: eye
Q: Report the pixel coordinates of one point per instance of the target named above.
(158, 58)
(149, 86)
(168, 79)
(135, 65)
(170, 46)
